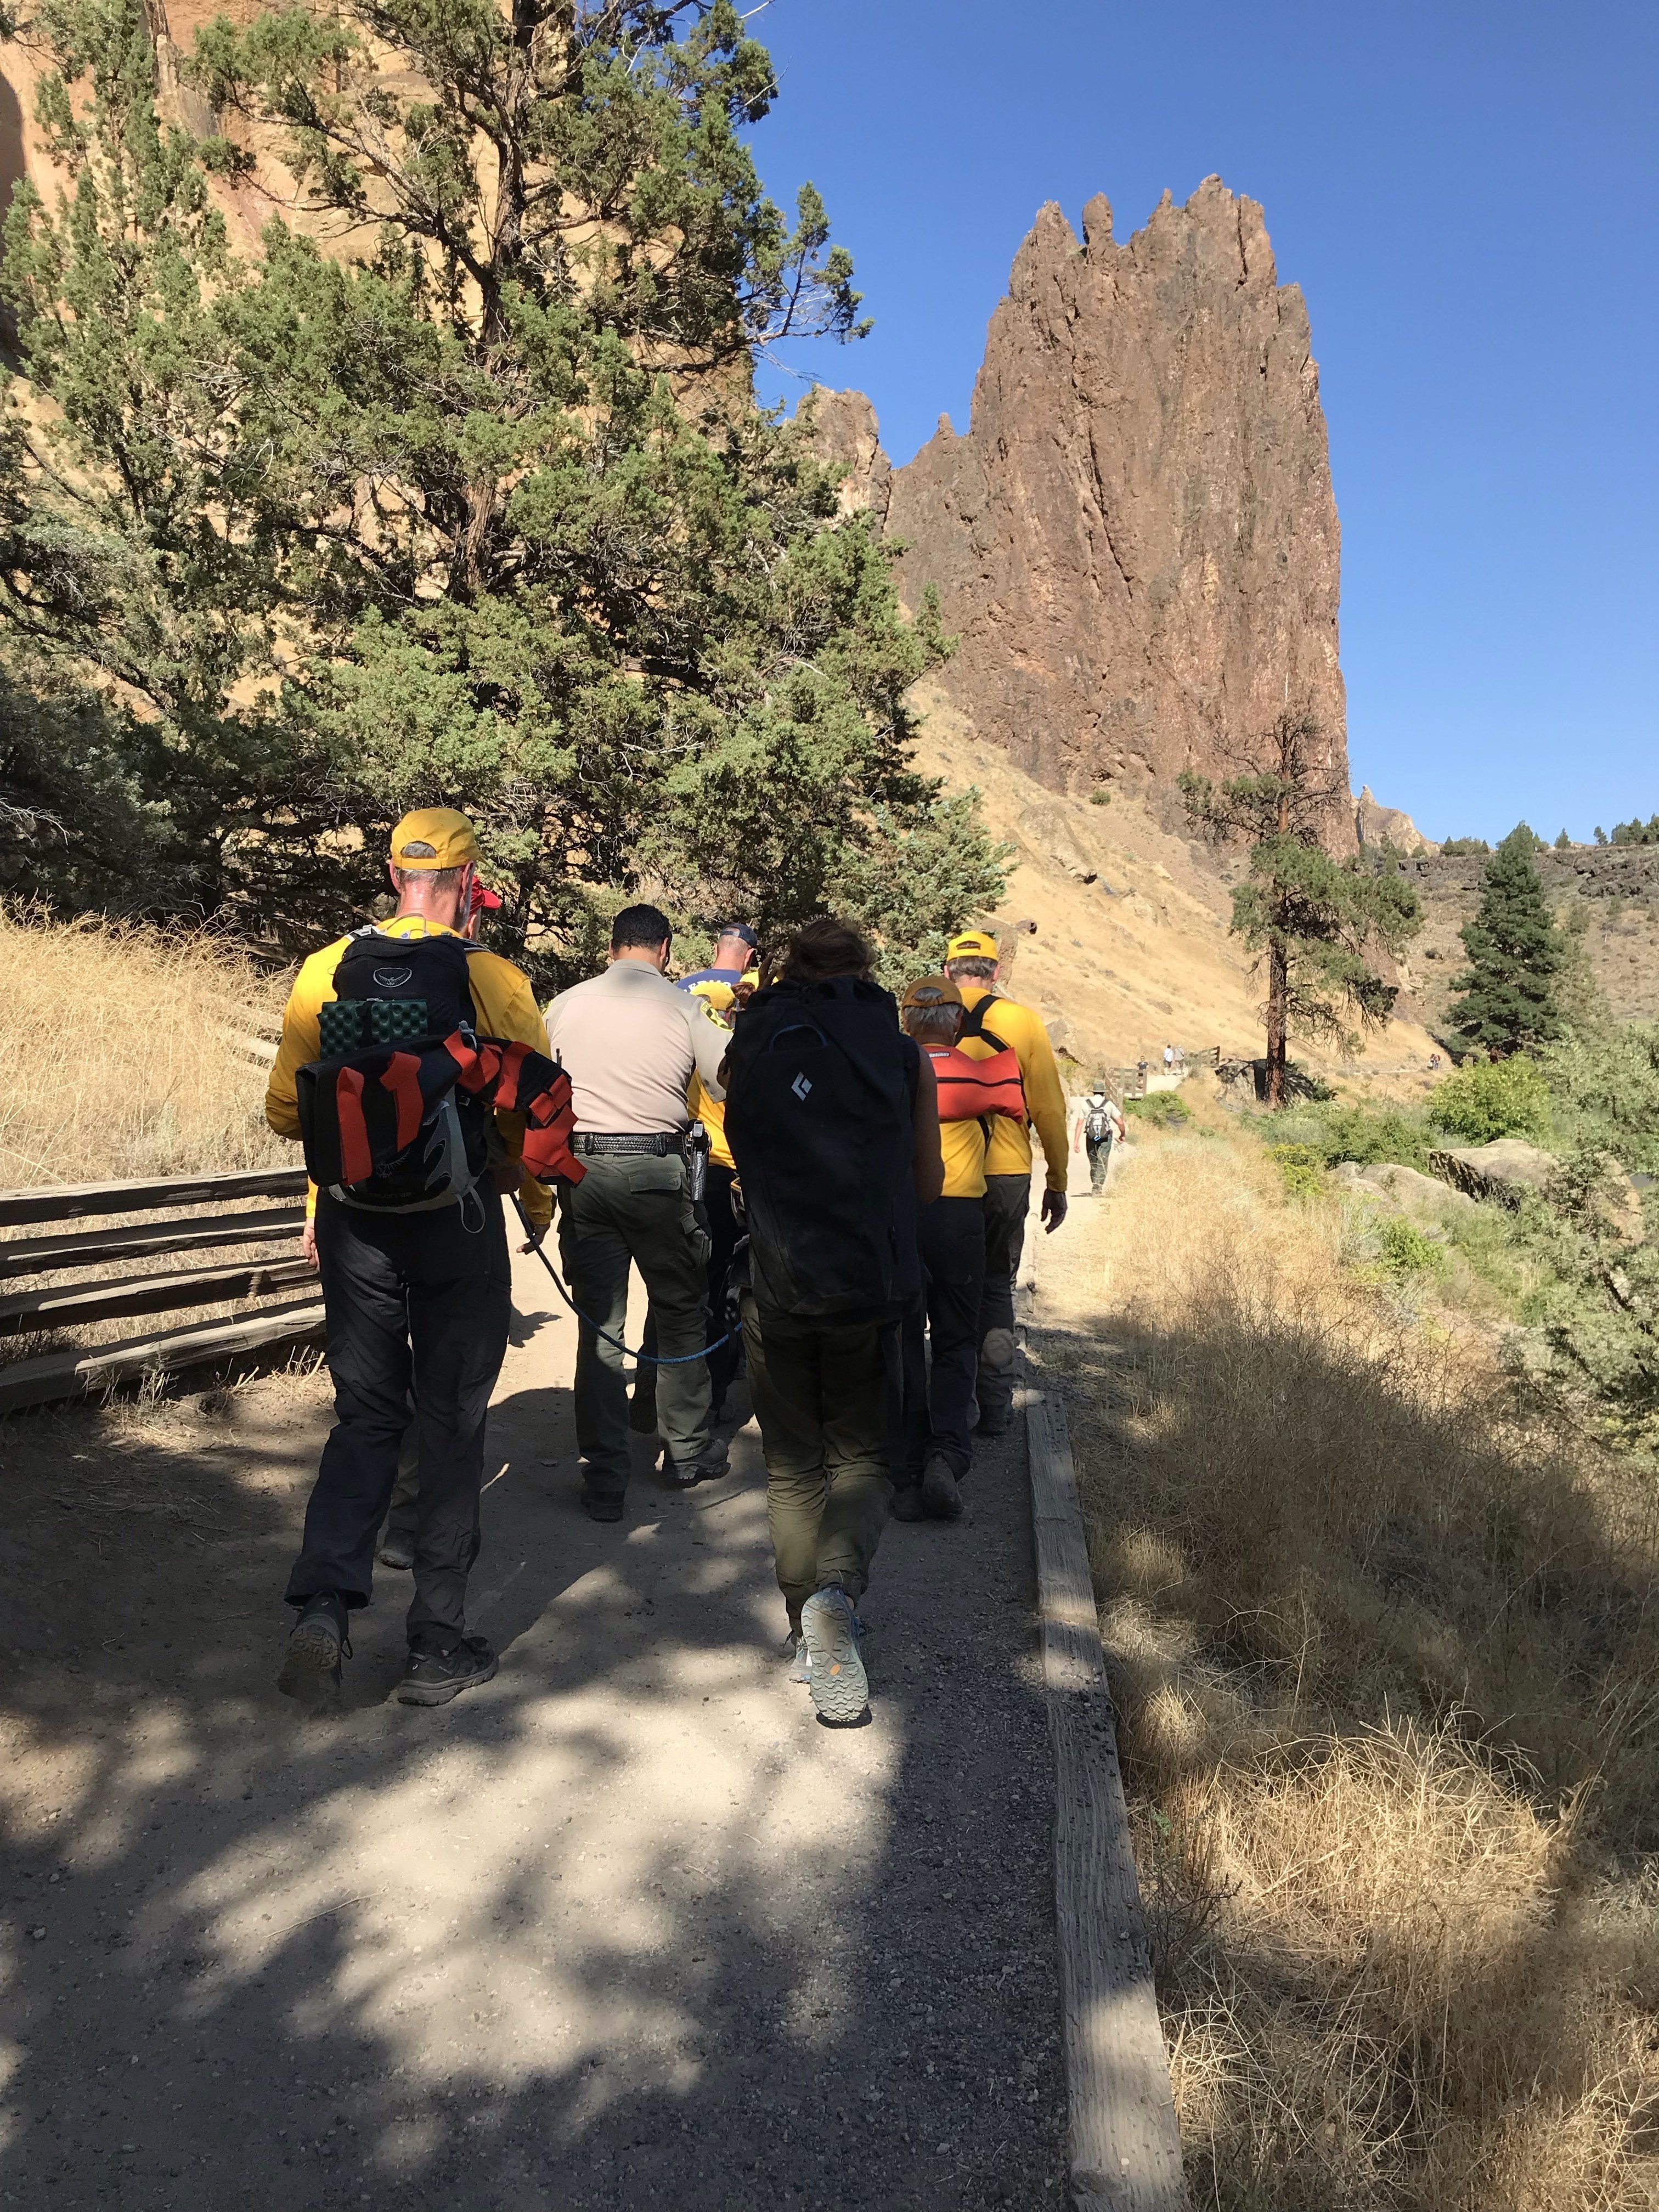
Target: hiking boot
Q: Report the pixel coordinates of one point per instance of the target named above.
(794, 1650)
(907, 1503)
(710, 1464)
(434, 1677)
(941, 1500)
(316, 1645)
(995, 1421)
(397, 1551)
(830, 1632)
(599, 1506)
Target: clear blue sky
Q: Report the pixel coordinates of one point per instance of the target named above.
(1468, 194)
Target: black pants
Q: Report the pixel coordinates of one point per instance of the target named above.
(416, 1302)
(939, 1408)
(723, 1235)
(1007, 1201)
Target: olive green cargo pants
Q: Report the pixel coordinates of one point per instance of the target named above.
(632, 1208)
(820, 1392)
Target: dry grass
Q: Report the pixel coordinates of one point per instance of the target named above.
(1389, 1677)
(121, 1058)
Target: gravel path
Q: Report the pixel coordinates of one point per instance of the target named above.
(624, 1927)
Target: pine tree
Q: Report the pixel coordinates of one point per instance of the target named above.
(1508, 999)
(1319, 921)
(477, 504)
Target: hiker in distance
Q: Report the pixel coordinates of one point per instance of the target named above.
(831, 1117)
(993, 1024)
(387, 1071)
(1100, 1125)
(631, 1042)
(934, 1446)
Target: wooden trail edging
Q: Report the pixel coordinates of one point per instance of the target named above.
(75, 1373)
(1125, 2149)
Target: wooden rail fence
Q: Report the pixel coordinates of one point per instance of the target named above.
(220, 1280)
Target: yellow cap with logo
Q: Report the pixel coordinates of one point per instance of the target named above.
(434, 837)
(972, 945)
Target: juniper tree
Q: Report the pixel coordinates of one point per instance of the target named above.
(1319, 922)
(456, 488)
(1507, 1001)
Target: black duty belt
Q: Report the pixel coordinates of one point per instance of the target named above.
(657, 1147)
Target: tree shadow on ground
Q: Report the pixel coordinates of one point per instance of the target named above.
(622, 1927)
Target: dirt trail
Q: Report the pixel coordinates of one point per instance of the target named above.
(625, 1926)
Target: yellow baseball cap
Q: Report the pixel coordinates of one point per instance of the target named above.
(972, 945)
(434, 837)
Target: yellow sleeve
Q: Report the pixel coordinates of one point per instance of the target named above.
(301, 1038)
(508, 1009)
(1045, 1098)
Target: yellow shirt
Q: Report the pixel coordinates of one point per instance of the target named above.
(506, 1007)
(962, 1146)
(711, 1111)
(1045, 1095)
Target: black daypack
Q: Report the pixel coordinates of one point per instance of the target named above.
(384, 1054)
(819, 1118)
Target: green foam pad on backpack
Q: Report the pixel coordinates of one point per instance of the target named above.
(394, 1021)
(341, 1028)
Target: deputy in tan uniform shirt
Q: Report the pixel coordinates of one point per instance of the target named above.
(630, 1042)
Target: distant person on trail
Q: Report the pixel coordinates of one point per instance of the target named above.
(412, 1247)
(734, 952)
(831, 1117)
(631, 1043)
(936, 1445)
(1100, 1127)
(993, 1024)
(1169, 1059)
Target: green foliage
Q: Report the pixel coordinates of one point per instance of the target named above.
(1563, 842)
(1302, 1167)
(1100, 796)
(1365, 1134)
(1507, 1001)
(1489, 1099)
(1405, 1250)
(1636, 832)
(1320, 921)
(1464, 847)
(1604, 1094)
(484, 515)
(1163, 1108)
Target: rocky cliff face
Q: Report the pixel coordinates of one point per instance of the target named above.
(1136, 538)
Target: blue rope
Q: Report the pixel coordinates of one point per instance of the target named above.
(650, 1359)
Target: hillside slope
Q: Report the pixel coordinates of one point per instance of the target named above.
(1131, 949)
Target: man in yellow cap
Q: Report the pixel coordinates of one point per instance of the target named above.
(994, 1024)
(417, 1296)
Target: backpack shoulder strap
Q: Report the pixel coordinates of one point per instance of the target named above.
(974, 1022)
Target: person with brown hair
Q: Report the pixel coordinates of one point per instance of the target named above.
(833, 1122)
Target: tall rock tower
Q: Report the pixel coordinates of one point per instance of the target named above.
(1136, 539)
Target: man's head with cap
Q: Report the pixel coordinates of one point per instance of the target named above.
(433, 864)
(932, 1009)
(735, 945)
(971, 957)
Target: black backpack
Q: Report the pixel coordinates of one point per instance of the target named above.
(973, 1024)
(820, 1102)
(396, 999)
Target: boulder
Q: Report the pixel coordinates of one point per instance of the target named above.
(1503, 1170)
(1410, 1190)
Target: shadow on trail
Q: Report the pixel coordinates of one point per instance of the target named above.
(623, 1927)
